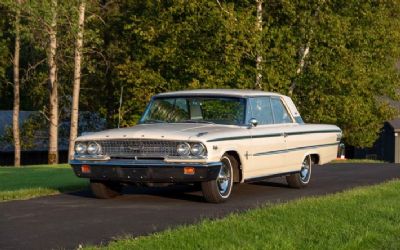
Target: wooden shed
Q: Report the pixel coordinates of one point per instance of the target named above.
(392, 143)
(385, 148)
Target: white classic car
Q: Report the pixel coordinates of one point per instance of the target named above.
(216, 137)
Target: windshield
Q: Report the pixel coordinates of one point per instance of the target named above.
(219, 110)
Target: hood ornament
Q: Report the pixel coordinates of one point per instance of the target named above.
(201, 134)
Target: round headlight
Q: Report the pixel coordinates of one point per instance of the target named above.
(93, 148)
(183, 149)
(197, 149)
(80, 148)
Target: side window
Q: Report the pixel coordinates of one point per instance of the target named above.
(281, 115)
(261, 110)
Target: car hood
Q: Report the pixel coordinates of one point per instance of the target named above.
(164, 131)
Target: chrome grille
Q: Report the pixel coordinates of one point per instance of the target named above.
(138, 148)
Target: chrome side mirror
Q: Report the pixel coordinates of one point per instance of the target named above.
(253, 122)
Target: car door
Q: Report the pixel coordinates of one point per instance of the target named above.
(267, 148)
(283, 118)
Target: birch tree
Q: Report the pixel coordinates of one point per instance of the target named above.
(16, 106)
(259, 27)
(304, 52)
(305, 49)
(77, 78)
(53, 86)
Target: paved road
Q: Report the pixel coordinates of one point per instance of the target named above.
(67, 220)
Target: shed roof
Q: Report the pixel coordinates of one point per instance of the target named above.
(395, 124)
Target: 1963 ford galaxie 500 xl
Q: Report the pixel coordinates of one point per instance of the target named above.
(212, 137)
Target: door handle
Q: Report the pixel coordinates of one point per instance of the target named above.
(285, 134)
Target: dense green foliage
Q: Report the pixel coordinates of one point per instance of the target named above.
(363, 218)
(28, 182)
(5, 60)
(148, 46)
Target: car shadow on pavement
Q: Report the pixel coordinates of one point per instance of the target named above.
(270, 184)
(277, 181)
(176, 192)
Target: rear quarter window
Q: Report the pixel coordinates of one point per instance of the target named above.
(281, 115)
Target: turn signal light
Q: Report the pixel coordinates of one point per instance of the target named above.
(85, 169)
(189, 170)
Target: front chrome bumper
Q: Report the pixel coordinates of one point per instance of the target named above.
(124, 170)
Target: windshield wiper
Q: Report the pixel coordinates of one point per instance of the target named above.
(154, 121)
(195, 121)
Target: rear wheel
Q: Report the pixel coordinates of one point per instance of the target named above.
(105, 189)
(301, 179)
(219, 190)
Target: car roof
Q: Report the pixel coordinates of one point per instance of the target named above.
(219, 92)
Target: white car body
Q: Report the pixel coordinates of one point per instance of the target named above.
(262, 149)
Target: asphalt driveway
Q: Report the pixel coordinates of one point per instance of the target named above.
(67, 220)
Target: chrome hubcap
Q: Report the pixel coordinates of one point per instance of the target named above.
(223, 179)
(305, 170)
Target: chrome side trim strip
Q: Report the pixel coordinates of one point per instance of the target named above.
(295, 149)
(273, 135)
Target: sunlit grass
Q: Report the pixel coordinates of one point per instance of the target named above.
(363, 218)
(33, 181)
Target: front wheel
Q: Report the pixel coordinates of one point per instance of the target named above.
(301, 179)
(219, 190)
(104, 189)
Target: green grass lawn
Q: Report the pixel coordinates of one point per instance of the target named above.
(33, 181)
(362, 218)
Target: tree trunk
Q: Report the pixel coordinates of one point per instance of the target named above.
(259, 46)
(53, 87)
(77, 80)
(304, 52)
(16, 133)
